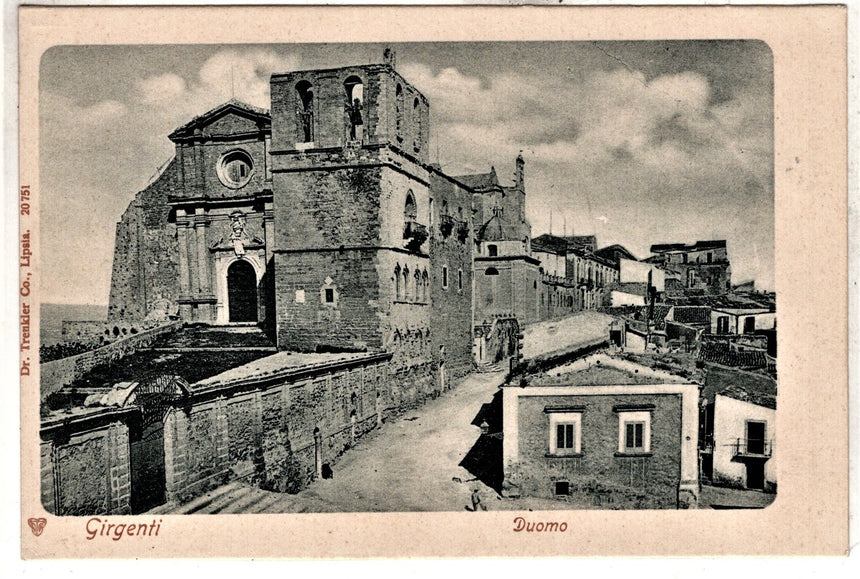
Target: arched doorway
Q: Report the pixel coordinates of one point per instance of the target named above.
(242, 292)
(155, 396)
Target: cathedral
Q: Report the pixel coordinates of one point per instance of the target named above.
(321, 220)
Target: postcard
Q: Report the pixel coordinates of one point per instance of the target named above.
(432, 281)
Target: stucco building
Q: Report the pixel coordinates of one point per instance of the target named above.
(603, 431)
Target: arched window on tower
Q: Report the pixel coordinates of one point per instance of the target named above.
(305, 111)
(419, 295)
(354, 105)
(398, 98)
(407, 295)
(416, 122)
(398, 290)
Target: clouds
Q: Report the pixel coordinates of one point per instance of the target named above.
(674, 145)
(656, 152)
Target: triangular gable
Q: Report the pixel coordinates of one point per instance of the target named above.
(231, 118)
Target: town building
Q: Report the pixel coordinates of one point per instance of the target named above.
(702, 268)
(746, 320)
(602, 431)
(738, 433)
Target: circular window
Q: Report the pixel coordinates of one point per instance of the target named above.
(234, 169)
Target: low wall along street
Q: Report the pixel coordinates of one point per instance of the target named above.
(168, 441)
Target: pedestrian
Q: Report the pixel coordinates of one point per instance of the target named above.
(476, 501)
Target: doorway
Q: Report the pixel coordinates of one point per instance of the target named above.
(146, 455)
(242, 292)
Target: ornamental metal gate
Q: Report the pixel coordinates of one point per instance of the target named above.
(155, 396)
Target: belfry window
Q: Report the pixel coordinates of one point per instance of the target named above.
(305, 111)
(354, 105)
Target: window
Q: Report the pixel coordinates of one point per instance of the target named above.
(354, 101)
(430, 207)
(491, 271)
(564, 432)
(710, 257)
(234, 169)
(410, 210)
(305, 111)
(398, 290)
(416, 119)
(492, 250)
(444, 276)
(399, 111)
(460, 279)
(634, 432)
(329, 293)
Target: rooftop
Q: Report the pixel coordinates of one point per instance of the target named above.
(604, 370)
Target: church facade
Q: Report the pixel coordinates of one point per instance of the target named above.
(321, 220)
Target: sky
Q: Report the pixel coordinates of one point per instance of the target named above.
(637, 143)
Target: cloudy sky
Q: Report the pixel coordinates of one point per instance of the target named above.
(635, 142)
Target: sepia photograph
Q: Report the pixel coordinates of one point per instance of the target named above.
(435, 276)
(506, 280)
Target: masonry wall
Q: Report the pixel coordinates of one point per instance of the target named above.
(85, 469)
(146, 263)
(274, 433)
(599, 477)
(450, 246)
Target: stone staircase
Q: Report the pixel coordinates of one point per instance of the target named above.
(234, 497)
(489, 368)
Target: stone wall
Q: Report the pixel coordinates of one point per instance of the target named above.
(54, 375)
(276, 432)
(146, 258)
(85, 464)
(600, 475)
(96, 334)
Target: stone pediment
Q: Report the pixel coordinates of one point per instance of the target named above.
(232, 118)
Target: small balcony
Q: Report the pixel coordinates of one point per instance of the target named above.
(752, 448)
(415, 235)
(462, 231)
(446, 224)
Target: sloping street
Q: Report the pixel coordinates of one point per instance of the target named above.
(427, 459)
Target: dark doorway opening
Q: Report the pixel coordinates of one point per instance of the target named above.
(242, 292)
(749, 325)
(755, 475)
(146, 450)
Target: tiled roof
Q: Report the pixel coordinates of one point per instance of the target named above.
(479, 181)
(610, 252)
(549, 244)
(699, 245)
(722, 353)
(692, 314)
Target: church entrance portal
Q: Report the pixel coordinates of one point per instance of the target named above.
(242, 292)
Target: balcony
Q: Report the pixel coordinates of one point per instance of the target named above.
(462, 231)
(752, 448)
(446, 224)
(415, 235)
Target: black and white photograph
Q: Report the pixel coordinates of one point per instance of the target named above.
(514, 282)
(408, 277)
